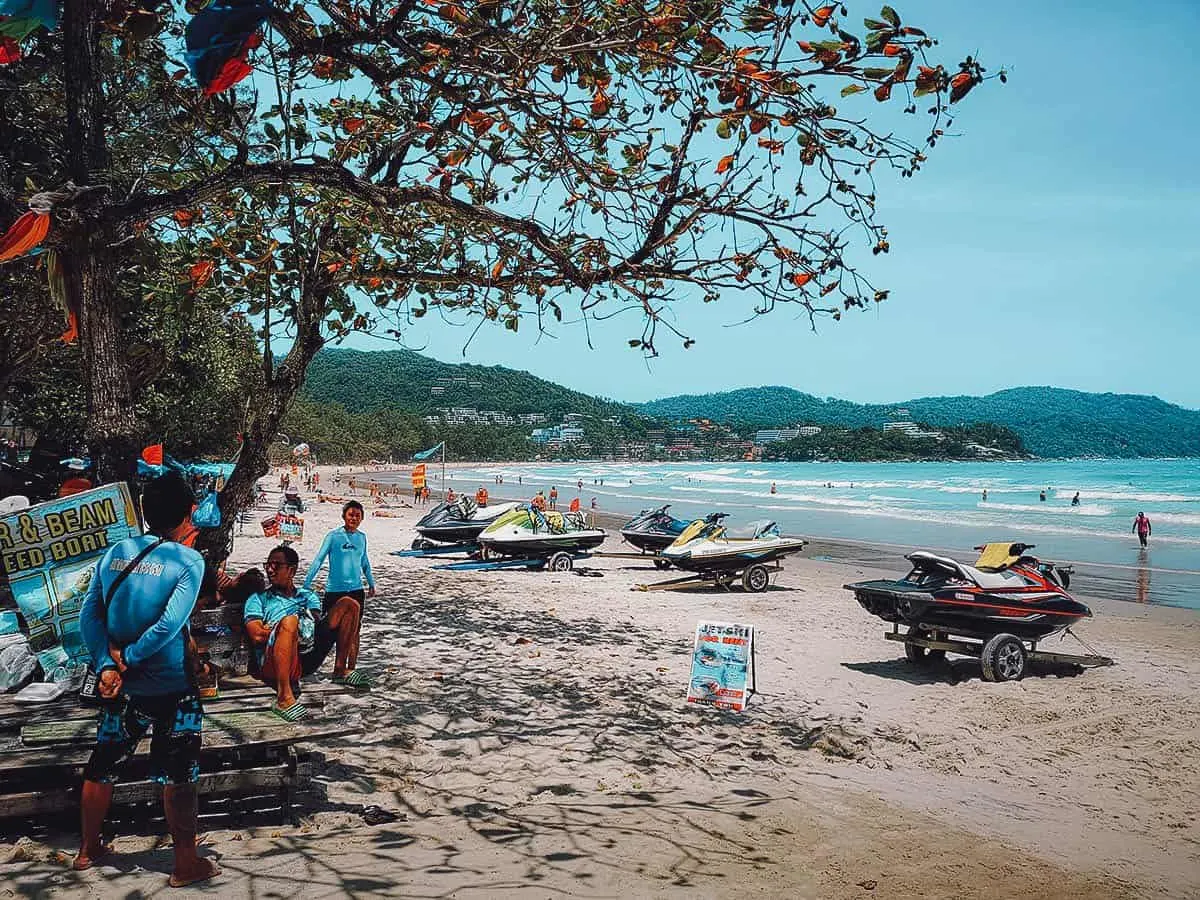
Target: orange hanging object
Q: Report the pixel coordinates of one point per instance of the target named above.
(153, 455)
(200, 273)
(24, 235)
(72, 333)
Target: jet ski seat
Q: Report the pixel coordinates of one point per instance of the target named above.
(992, 580)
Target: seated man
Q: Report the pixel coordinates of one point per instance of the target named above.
(285, 648)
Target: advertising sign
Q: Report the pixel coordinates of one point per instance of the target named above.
(49, 553)
(291, 528)
(722, 665)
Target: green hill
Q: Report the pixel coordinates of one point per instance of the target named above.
(363, 381)
(1051, 421)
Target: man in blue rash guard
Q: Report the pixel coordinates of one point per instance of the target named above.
(136, 637)
(349, 565)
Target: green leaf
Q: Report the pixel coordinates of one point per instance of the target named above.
(876, 74)
(852, 89)
(890, 14)
(874, 24)
(724, 129)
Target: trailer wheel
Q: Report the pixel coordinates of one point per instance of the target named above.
(662, 564)
(756, 579)
(922, 656)
(1004, 658)
(560, 562)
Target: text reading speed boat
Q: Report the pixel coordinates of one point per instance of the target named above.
(530, 533)
(715, 555)
(458, 522)
(1006, 600)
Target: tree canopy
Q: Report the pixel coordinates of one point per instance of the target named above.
(496, 163)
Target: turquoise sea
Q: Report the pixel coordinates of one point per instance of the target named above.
(909, 505)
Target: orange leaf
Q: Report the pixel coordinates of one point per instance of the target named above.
(890, 49)
(498, 268)
(884, 91)
(200, 273)
(72, 333)
(773, 146)
(600, 104)
(725, 164)
(353, 125)
(454, 157)
(758, 123)
(184, 217)
(822, 16)
(800, 279)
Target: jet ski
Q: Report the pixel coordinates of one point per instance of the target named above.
(458, 522)
(704, 546)
(653, 529)
(1007, 591)
(532, 533)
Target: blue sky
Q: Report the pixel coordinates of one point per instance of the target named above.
(1055, 240)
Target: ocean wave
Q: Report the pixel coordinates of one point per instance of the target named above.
(1131, 496)
(1084, 509)
(1175, 519)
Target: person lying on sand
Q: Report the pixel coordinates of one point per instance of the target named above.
(291, 641)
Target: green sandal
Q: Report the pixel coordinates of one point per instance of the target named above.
(354, 679)
(294, 713)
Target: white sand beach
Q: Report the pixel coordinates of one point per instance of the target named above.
(531, 729)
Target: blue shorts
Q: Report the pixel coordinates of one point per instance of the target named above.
(176, 720)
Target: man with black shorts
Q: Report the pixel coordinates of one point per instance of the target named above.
(291, 641)
(134, 621)
(349, 565)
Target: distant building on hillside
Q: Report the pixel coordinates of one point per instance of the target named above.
(913, 430)
(772, 435)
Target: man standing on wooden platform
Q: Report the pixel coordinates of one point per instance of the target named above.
(290, 642)
(134, 622)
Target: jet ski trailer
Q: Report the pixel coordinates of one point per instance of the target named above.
(997, 610)
(755, 578)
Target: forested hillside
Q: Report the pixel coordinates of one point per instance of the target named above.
(401, 379)
(1051, 421)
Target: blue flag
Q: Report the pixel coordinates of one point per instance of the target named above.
(426, 454)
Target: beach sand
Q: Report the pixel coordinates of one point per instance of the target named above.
(531, 729)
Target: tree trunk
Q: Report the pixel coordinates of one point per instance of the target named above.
(89, 264)
(264, 421)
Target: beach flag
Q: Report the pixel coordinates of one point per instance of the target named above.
(427, 454)
(153, 455)
(418, 476)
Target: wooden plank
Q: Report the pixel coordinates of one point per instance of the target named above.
(236, 715)
(241, 689)
(238, 781)
(19, 763)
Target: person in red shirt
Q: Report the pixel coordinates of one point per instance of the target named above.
(554, 498)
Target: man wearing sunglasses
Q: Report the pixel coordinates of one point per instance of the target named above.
(292, 638)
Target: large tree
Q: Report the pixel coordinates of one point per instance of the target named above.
(498, 161)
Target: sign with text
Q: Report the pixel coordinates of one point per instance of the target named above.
(49, 553)
(722, 665)
(291, 528)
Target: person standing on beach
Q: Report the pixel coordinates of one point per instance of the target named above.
(553, 497)
(1141, 525)
(349, 564)
(134, 623)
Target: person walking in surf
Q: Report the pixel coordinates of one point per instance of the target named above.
(1141, 525)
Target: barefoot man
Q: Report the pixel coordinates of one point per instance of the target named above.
(133, 621)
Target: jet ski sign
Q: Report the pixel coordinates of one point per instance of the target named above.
(722, 665)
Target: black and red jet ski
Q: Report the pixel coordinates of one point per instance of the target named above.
(1007, 591)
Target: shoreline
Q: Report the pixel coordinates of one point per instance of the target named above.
(1132, 584)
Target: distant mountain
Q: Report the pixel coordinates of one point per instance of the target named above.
(367, 381)
(1050, 421)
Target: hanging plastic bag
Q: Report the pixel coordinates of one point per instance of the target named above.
(208, 513)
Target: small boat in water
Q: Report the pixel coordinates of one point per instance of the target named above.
(705, 546)
(653, 530)
(458, 522)
(529, 532)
